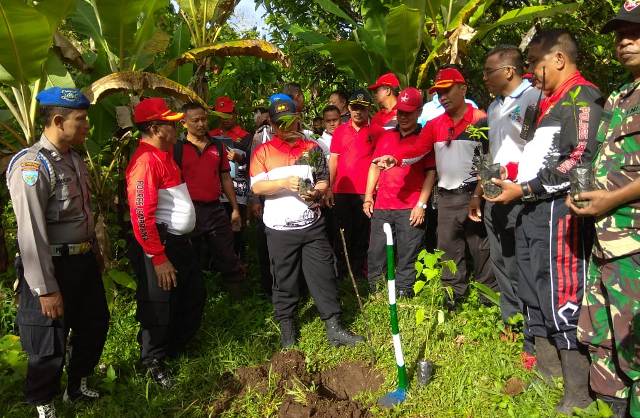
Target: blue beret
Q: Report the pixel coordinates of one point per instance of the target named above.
(280, 97)
(63, 97)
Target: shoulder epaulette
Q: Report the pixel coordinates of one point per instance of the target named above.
(34, 153)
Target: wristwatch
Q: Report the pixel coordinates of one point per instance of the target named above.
(421, 205)
(527, 193)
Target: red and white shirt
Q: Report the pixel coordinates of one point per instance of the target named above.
(278, 159)
(400, 187)
(157, 195)
(355, 149)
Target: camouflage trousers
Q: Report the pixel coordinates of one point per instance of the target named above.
(610, 325)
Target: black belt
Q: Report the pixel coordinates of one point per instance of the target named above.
(210, 203)
(465, 188)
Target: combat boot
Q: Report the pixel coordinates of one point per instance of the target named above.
(79, 392)
(618, 406)
(46, 410)
(337, 335)
(547, 359)
(575, 372)
(288, 333)
(160, 374)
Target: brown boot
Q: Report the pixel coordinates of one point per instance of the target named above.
(547, 360)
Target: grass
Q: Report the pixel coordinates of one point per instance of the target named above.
(472, 362)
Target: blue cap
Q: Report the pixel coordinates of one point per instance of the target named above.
(280, 97)
(63, 97)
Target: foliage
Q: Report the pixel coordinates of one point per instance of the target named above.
(13, 361)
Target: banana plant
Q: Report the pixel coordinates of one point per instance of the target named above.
(27, 63)
(205, 20)
(392, 34)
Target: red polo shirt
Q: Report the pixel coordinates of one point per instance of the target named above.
(355, 149)
(236, 133)
(201, 171)
(400, 187)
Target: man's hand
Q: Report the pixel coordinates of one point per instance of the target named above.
(367, 207)
(385, 162)
(510, 192)
(417, 216)
(166, 275)
(475, 209)
(291, 183)
(236, 219)
(232, 155)
(311, 196)
(600, 203)
(329, 199)
(256, 210)
(52, 305)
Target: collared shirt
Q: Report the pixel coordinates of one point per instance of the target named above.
(52, 202)
(434, 108)
(157, 195)
(384, 120)
(400, 187)
(504, 117)
(616, 165)
(278, 159)
(456, 147)
(354, 149)
(201, 171)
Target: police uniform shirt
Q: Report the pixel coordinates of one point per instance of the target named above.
(51, 200)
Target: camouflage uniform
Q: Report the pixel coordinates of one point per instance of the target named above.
(610, 321)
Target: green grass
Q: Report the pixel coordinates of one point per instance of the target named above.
(469, 377)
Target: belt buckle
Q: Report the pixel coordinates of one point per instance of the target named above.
(84, 247)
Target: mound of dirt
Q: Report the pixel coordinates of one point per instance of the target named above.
(330, 392)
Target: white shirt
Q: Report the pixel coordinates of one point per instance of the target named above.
(504, 117)
(324, 142)
(433, 109)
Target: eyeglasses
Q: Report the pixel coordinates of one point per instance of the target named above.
(493, 70)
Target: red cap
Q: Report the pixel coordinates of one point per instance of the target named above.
(446, 78)
(224, 104)
(154, 109)
(409, 100)
(388, 79)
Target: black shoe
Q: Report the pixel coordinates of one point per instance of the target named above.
(618, 406)
(337, 335)
(406, 293)
(575, 372)
(547, 359)
(160, 374)
(450, 303)
(80, 392)
(288, 333)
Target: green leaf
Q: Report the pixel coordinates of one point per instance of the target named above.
(420, 313)
(440, 317)
(464, 14)
(111, 374)
(25, 36)
(149, 40)
(422, 254)
(309, 36)
(582, 104)
(351, 57)
(526, 14)
(85, 21)
(55, 10)
(56, 73)
(123, 279)
(430, 274)
(489, 293)
(418, 286)
(419, 266)
(180, 43)
(403, 40)
(451, 265)
(430, 260)
(333, 8)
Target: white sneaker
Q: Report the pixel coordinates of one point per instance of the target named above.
(83, 393)
(46, 410)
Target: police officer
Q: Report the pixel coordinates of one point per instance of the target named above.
(60, 264)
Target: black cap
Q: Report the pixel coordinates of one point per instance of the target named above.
(360, 97)
(629, 13)
(281, 108)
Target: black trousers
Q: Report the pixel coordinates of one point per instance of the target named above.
(458, 234)
(408, 240)
(266, 280)
(308, 251)
(211, 240)
(349, 216)
(169, 319)
(85, 314)
(239, 239)
(553, 248)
